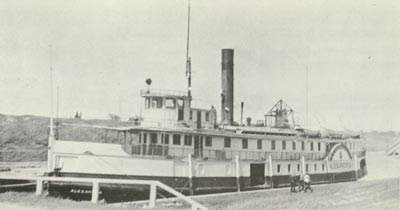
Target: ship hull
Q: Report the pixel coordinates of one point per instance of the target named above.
(201, 185)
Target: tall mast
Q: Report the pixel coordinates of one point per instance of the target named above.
(51, 133)
(188, 61)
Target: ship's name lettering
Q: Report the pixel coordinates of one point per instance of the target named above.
(340, 165)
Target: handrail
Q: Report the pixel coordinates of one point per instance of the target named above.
(96, 181)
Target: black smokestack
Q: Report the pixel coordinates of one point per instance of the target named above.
(227, 86)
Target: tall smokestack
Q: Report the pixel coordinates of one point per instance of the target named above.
(227, 86)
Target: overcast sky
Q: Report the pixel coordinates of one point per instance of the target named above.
(104, 50)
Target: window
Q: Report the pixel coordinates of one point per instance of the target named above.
(298, 167)
(244, 143)
(323, 167)
(293, 145)
(315, 167)
(188, 140)
(145, 138)
(312, 146)
(278, 168)
(176, 139)
(306, 167)
(227, 142)
(273, 145)
(166, 138)
(283, 145)
(259, 144)
(288, 167)
(170, 103)
(153, 138)
(207, 116)
(319, 146)
(208, 142)
(147, 103)
(302, 145)
(191, 115)
(156, 102)
(180, 102)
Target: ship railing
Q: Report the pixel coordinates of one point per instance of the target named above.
(97, 184)
(154, 151)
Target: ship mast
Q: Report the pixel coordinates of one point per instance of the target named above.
(188, 61)
(51, 134)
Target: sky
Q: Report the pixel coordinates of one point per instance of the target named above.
(103, 51)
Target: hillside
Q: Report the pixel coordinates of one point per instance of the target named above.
(24, 138)
(28, 134)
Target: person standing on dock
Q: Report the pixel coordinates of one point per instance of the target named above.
(301, 182)
(307, 182)
(292, 181)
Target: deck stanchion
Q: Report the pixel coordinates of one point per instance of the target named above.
(303, 164)
(39, 186)
(237, 161)
(153, 195)
(270, 171)
(355, 166)
(95, 192)
(190, 175)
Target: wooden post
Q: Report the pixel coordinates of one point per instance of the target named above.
(153, 195)
(39, 186)
(95, 192)
(270, 171)
(355, 166)
(237, 161)
(190, 175)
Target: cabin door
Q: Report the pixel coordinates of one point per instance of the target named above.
(257, 174)
(198, 146)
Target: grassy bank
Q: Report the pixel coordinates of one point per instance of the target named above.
(370, 195)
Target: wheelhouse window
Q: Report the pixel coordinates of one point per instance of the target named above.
(323, 167)
(273, 145)
(315, 167)
(278, 168)
(293, 145)
(176, 139)
(170, 103)
(208, 142)
(311, 146)
(191, 115)
(188, 140)
(145, 138)
(306, 167)
(259, 144)
(283, 145)
(207, 116)
(319, 146)
(227, 142)
(298, 167)
(302, 145)
(288, 167)
(156, 102)
(166, 138)
(244, 144)
(153, 138)
(180, 102)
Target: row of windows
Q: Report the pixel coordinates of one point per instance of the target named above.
(278, 167)
(245, 144)
(176, 139)
(157, 103)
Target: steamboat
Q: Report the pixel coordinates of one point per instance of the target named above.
(189, 149)
(186, 148)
